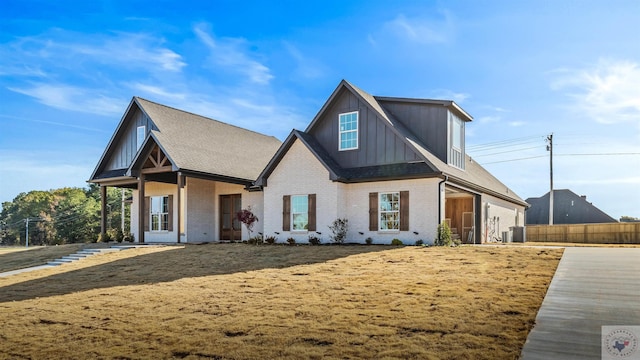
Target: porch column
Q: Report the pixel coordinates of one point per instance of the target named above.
(141, 212)
(179, 204)
(103, 211)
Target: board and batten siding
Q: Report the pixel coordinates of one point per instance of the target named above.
(428, 122)
(125, 148)
(377, 143)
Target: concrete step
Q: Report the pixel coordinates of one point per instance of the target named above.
(71, 258)
(89, 251)
(79, 256)
(55, 263)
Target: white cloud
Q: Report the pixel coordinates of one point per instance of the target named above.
(421, 30)
(72, 98)
(157, 91)
(607, 92)
(231, 54)
(489, 119)
(306, 68)
(445, 94)
(517, 123)
(61, 49)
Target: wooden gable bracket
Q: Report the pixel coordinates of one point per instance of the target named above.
(156, 162)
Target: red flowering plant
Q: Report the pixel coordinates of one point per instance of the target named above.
(248, 218)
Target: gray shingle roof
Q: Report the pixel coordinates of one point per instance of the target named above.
(200, 144)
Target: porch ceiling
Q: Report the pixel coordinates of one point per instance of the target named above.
(451, 192)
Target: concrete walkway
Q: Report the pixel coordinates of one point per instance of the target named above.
(592, 287)
(73, 257)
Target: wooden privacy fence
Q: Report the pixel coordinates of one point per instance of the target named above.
(609, 233)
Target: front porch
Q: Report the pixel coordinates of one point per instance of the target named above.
(171, 206)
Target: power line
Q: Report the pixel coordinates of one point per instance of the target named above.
(525, 158)
(507, 151)
(503, 143)
(600, 154)
(535, 157)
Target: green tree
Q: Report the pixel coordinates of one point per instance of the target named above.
(76, 216)
(66, 215)
(35, 206)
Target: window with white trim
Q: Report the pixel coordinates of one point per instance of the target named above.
(456, 141)
(389, 211)
(159, 213)
(300, 212)
(140, 134)
(348, 129)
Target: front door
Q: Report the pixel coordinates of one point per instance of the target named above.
(230, 227)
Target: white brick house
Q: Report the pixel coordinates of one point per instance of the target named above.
(394, 167)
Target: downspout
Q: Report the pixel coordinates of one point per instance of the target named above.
(446, 178)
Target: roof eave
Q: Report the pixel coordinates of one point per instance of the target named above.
(113, 136)
(485, 190)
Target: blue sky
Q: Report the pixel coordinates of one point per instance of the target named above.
(522, 69)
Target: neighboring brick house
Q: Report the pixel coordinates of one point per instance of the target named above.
(568, 208)
(394, 167)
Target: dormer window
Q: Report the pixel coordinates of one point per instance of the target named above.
(348, 129)
(456, 141)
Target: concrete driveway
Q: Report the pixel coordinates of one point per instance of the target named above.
(592, 287)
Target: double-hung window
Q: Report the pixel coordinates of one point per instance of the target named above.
(389, 211)
(159, 213)
(348, 129)
(300, 212)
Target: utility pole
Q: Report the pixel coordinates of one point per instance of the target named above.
(27, 233)
(122, 212)
(550, 150)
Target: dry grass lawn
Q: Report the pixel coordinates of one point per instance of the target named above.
(238, 301)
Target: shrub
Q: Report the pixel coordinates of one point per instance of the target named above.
(256, 240)
(291, 241)
(396, 242)
(444, 235)
(419, 242)
(115, 235)
(314, 240)
(128, 238)
(270, 239)
(368, 240)
(105, 238)
(339, 229)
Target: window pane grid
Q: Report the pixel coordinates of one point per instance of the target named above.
(159, 213)
(299, 212)
(348, 131)
(389, 205)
